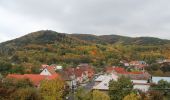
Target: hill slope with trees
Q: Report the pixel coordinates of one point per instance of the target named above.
(27, 53)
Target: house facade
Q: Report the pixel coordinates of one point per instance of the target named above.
(48, 70)
(102, 83)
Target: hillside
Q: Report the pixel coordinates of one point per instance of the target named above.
(114, 39)
(48, 47)
(89, 38)
(52, 37)
(41, 38)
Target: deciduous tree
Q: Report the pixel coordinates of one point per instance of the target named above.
(120, 88)
(52, 89)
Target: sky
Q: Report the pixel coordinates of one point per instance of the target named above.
(100, 17)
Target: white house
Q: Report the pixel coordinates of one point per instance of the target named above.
(48, 70)
(59, 67)
(45, 72)
(102, 83)
(142, 85)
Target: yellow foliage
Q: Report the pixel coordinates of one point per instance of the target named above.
(131, 96)
(98, 95)
(52, 89)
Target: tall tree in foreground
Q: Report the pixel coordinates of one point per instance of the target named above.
(132, 96)
(82, 94)
(98, 95)
(120, 88)
(52, 89)
(25, 94)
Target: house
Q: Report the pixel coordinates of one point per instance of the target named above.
(48, 70)
(139, 65)
(82, 73)
(99, 79)
(87, 69)
(161, 61)
(135, 63)
(57, 67)
(139, 75)
(125, 63)
(102, 83)
(69, 79)
(141, 85)
(77, 73)
(34, 78)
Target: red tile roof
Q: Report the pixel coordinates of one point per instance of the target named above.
(51, 69)
(44, 66)
(35, 78)
(120, 70)
(17, 76)
(78, 72)
(109, 69)
(54, 76)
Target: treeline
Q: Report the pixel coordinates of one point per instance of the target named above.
(96, 54)
(23, 89)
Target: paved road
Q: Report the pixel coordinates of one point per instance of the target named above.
(89, 85)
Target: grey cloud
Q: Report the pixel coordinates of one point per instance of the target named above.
(123, 17)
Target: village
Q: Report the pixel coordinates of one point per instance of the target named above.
(84, 75)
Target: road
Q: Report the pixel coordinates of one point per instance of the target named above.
(89, 85)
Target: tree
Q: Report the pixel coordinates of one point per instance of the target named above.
(165, 67)
(5, 67)
(23, 83)
(155, 95)
(15, 59)
(52, 89)
(161, 86)
(132, 96)
(120, 88)
(35, 70)
(153, 67)
(80, 94)
(25, 94)
(16, 83)
(97, 95)
(18, 69)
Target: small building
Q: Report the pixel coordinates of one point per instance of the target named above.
(141, 85)
(88, 69)
(138, 65)
(69, 78)
(137, 75)
(48, 70)
(102, 82)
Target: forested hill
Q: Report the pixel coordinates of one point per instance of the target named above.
(49, 47)
(42, 38)
(52, 37)
(112, 39)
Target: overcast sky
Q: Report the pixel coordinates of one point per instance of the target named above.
(122, 17)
